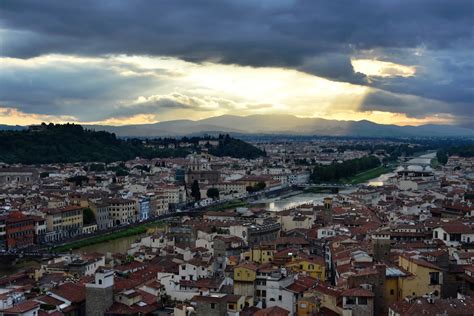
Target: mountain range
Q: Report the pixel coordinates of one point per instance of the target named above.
(280, 124)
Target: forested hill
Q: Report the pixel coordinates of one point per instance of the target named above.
(72, 143)
(233, 147)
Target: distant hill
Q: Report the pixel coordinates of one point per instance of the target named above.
(277, 124)
(11, 127)
(284, 124)
(72, 143)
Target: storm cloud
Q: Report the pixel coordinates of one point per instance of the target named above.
(317, 37)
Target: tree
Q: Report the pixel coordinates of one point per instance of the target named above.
(88, 216)
(195, 190)
(213, 193)
(121, 172)
(442, 157)
(260, 186)
(78, 180)
(257, 187)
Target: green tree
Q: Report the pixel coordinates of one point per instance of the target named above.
(121, 172)
(78, 180)
(442, 157)
(88, 216)
(97, 167)
(260, 186)
(213, 193)
(195, 191)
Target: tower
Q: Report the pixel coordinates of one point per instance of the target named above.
(100, 294)
(327, 211)
(381, 246)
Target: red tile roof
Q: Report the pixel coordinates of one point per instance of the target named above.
(272, 311)
(73, 292)
(22, 307)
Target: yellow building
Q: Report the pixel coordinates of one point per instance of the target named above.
(314, 267)
(260, 254)
(235, 303)
(308, 306)
(244, 279)
(424, 277)
(393, 279)
(246, 272)
(66, 221)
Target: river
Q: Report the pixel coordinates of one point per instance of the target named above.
(119, 245)
(421, 160)
(283, 203)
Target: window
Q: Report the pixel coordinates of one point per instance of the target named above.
(350, 300)
(279, 297)
(436, 234)
(213, 305)
(231, 306)
(445, 236)
(392, 292)
(362, 301)
(434, 278)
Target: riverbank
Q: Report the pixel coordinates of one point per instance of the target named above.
(130, 231)
(368, 175)
(228, 205)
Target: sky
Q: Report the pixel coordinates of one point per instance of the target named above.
(119, 62)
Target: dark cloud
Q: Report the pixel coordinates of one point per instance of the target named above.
(318, 37)
(243, 32)
(87, 89)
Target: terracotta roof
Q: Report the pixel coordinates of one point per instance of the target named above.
(73, 292)
(272, 311)
(46, 299)
(456, 228)
(23, 307)
(247, 265)
(420, 306)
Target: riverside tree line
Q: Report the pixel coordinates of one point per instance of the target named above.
(337, 171)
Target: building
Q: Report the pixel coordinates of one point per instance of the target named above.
(314, 267)
(100, 294)
(210, 305)
(18, 176)
(245, 275)
(424, 277)
(63, 223)
(3, 232)
(101, 213)
(122, 211)
(257, 234)
(454, 233)
(143, 208)
(358, 302)
(20, 231)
